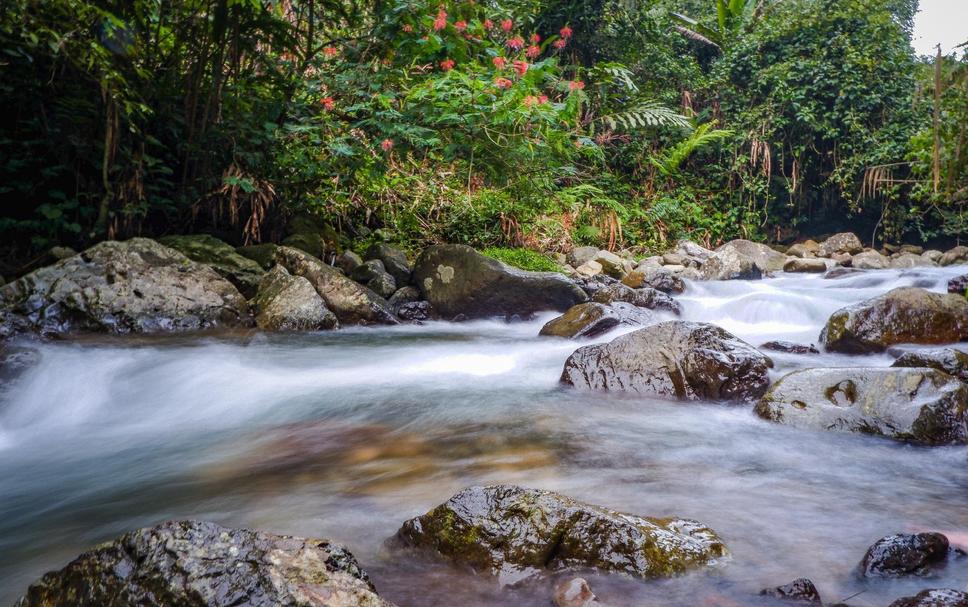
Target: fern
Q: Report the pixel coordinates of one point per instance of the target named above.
(646, 114)
(669, 161)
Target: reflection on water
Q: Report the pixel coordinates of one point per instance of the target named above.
(347, 434)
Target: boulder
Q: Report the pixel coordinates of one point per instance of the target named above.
(870, 260)
(938, 597)
(910, 260)
(904, 554)
(655, 277)
(394, 261)
(959, 285)
(312, 235)
(197, 564)
(692, 252)
(933, 254)
(644, 298)
(349, 261)
(241, 271)
(817, 266)
(581, 255)
(674, 359)
(375, 277)
(517, 534)
(612, 264)
(763, 256)
(456, 279)
(845, 242)
(802, 251)
(800, 590)
(573, 592)
(262, 254)
(730, 264)
(955, 256)
(951, 361)
(789, 347)
(416, 311)
(352, 303)
(589, 269)
(902, 315)
(913, 249)
(918, 405)
(583, 320)
(404, 295)
(290, 303)
(135, 286)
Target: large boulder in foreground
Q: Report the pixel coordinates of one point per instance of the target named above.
(241, 271)
(903, 315)
(457, 280)
(937, 597)
(516, 533)
(135, 286)
(918, 405)
(197, 564)
(351, 302)
(904, 554)
(290, 303)
(674, 359)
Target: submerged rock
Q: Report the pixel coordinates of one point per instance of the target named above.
(198, 564)
(904, 554)
(645, 297)
(789, 347)
(674, 359)
(290, 303)
(589, 319)
(135, 286)
(730, 264)
(800, 590)
(951, 361)
(903, 315)
(241, 271)
(940, 597)
(516, 534)
(918, 405)
(456, 279)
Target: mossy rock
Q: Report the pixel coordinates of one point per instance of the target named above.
(263, 254)
(313, 235)
(290, 303)
(241, 271)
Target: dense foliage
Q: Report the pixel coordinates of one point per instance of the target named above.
(535, 123)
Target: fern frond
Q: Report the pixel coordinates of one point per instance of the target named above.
(646, 114)
(669, 161)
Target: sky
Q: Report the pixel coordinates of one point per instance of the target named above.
(940, 21)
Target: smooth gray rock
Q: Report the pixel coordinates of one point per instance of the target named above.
(870, 260)
(644, 297)
(581, 255)
(955, 256)
(844, 242)
(762, 255)
(290, 303)
(394, 262)
(730, 264)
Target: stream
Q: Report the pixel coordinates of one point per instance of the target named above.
(347, 434)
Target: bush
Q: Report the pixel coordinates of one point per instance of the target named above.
(525, 259)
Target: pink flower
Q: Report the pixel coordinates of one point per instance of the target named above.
(560, 43)
(503, 83)
(542, 99)
(328, 103)
(533, 51)
(520, 67)
(499, 62)
(565, 32)
(330, 52)
(576, 85)
(447, 64)
(387, 145)
(407, 28)
(488, 24)
(460, 26)
(507, 25)
(535, 38)
(441, 21)
(516, 43)
(529, 101)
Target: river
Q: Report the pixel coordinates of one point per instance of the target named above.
(347, 434)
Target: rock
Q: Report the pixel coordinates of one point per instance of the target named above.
(644, 297)
(910, 260)
(917, 405)
(349, 261)
(730, 264)
(583, 320)
(197, 564)
(654, 261)
(805, 265)
(312, 235)
(375, 277)
(959, 285)
(59, 253)
(290, 303)
(351, 302)
(416, 311)
(790, 347)
(913, 249)
(241, 271)
(951, 361)
(589, 269)
(383, 285)
(674, 359)
(933, 254)
(574, 592)
(763, 256)
(800, 590)
(657, 278)
(632, 315)
(135, 286)
(394, 261)
(673, 259)
(692, 251)
(581, 255)
(262, 254)
(456, 279)
(870, 260)
(802, 251)
(612, 264)
(842, 259)
(940, 597)
(516, 534)
(902, 315)
(839, 272)
(404, 295)
(845, 242)
(904, 554)
(955, 256)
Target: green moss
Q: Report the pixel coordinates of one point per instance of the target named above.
(524, 259)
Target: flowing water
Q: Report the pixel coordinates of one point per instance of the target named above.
(347, 434)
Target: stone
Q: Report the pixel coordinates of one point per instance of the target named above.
(692, 251)
(383, 285)
(394, 261)
(349, 261)
(902, 315)
(951, 361)
(800, 590)
(913, 249)
(910, 260)
(959, 285)
(673, 359)
(59, 253)
(844, 242)
(870, 260)
(573, 592)
(241, 271)
(135, 286)
(518, 534)
(612, 264)
(658, 278)
(802, 251)
(581, 255)
(416, 311)
(916, 405)
(456, 279)
(311, 234)
(352, 303)
(404, 295)
(767, 259)
(263, 254)
(817, 266)
(290, 303)
(956, 256)
(645, 297)
(589, 269)
(198, 564)
(933, 254)
(583, 320)
(789, 347)
(842, 259)
(938, 597)
(730, 264)
(904, 554)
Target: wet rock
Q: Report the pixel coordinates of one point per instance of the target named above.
(805, 265)
(839, 272)
(763, 256)
(290, 303)
(416, 311)
(730, 264)
(903, 315)
(950, 360)
(800, 590)
(352, 303)
(939, 597)
(581, 255)
(349, 261)
(574, 592)
(241, 271)
(516, 534)
(790, 347)
(845, 242)
(674, 359)
(646, 297)
(584, 320)
(918, 405)
(197, 564)
(589, 269)
(456, 279)
(262, 254)
(657, 278)
(904, 554)
(955, 256)
(910, 260)
(870, 260)
(958, 285)
(394, 261)
(135, 286)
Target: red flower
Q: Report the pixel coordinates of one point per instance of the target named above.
(387, 145)
(330, 52)
(529, 101)
(507, 25)
(441, 21)
(543, 99)
(560, 43)
(535, 38)
(516, 43)
(533, 51)
(407, 28)
(499, 62)
(520, 67)
(503, 83)
(447, 64)
(565, 32)
(460, 26)
(576, 85)
(328, 103)
(488, 24)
